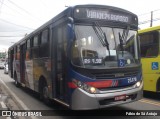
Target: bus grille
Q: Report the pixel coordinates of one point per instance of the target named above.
(114, 75)
(116, 88)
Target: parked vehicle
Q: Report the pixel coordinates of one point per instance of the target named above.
(150, 57)
(1, 64)
(6, 69)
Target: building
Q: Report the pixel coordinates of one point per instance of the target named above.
(3, 55)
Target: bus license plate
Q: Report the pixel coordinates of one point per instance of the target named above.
(120, 97)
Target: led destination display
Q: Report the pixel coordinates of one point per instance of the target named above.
(96, 14)
(105, 14)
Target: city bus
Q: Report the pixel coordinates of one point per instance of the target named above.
(86, 57)
(150, 57)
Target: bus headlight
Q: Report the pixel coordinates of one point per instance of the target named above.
(85, 86)
(138, 84)
(79, 84)
(93, 90)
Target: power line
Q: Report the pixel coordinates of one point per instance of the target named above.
(148, 12)
(11, 36)
(147, 21)
(23, 10)
(11, 8)
(144, 22)
(19, 7)
(149, 17)
(16, 24)
(44, 4)
(144, 14)
(14, 31)
(35, 19)
(156, 10)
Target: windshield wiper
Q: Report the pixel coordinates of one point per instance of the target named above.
(123, 38)
(102, 36)
(121, 43)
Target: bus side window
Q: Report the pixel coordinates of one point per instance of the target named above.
(35, 48)
(15, 55)
(18, 52)
(28, 49)
(149, 44)
(44, 44)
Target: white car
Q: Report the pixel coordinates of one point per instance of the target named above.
(6, 69)
(1, 65)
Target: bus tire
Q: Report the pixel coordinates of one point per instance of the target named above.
(44, 92)
(17, 84)
(158, 86)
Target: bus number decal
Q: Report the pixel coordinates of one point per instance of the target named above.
(132, 79)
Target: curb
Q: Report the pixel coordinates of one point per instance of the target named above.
(12, 102)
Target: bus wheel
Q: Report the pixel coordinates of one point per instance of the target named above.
(158, 85)
(44, 94)
(16, 81)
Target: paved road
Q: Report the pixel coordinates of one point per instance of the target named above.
(29, 101)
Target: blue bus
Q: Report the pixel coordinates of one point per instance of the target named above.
(86, 57)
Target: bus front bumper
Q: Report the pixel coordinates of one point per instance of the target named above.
(81, 100)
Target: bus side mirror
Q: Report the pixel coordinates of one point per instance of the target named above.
(138, 40)
(139, 45)
(70, 20)
(70, 31)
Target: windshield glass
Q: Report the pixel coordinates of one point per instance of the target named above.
(104, 47)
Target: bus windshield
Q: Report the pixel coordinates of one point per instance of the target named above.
(104, 47)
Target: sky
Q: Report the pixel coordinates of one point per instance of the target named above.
(20, 17)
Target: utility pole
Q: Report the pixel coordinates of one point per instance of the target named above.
(151, 24)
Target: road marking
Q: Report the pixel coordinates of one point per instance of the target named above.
(14, 95)
(16, 98)
(150, 102)
(8, 117)
(3, 105)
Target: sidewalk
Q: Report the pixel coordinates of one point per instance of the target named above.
(8, 103)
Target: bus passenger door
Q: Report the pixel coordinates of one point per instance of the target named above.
(22, 63)
(58, 65)
(10, 62)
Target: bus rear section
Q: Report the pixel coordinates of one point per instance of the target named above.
(149, 43)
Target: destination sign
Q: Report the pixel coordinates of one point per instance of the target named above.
(105, 14)
(96, 14)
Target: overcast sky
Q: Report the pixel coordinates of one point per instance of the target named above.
(18, 17)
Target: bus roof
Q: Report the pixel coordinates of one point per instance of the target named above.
(68, 12)
(149, 29)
